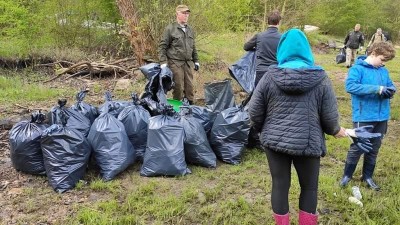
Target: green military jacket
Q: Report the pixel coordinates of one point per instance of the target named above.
(177, 46)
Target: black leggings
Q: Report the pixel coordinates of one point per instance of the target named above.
(307, 170)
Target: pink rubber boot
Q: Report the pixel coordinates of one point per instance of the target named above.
(281, 219)
(306, 218)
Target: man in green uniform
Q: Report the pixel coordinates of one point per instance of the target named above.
(177, 49)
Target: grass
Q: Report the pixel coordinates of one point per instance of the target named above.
(231, 194)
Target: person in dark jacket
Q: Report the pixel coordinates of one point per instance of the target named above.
(353, 41)
(371, 89)
(265, 45)
(293, 105)
(177, 49)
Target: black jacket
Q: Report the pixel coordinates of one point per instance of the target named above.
(265, 44)
(354, 39)
(293, 108)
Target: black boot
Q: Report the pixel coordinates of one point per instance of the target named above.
(348, 174)
(368, 171)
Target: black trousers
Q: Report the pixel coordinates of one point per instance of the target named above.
(307, 169)
(354, 153)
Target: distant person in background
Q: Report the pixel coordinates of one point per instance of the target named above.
(377, 37)
(371, 89)
(265, 45)
(353, 41)
(293, 106)
(177, 49)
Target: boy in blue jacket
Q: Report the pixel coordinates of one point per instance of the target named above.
(371, 89)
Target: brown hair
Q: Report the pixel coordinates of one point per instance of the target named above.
(274, 18)
(382, 48)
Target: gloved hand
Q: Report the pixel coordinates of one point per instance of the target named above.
(163, 65)
(196, 66)
(361, 48)
(360, 137)
(387, 92)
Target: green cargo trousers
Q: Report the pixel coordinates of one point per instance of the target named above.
(183, 79)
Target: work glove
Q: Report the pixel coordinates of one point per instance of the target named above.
(387, 92)
(196, 66)
(360, 137)
(361, 48)
(163, 65)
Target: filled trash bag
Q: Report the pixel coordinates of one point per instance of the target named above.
(86, 109)
(229, 134)
(219, 95)
(111, 146)
(341, 57)
(165, 154)
(244, 71)
(136, 121)
(25, 151)
(204, 115)
(76, 120)
(66, 154)
(166, 84)
(197, 149)
(112, 107)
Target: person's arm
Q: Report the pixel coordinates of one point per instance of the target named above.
(329, 114)
(251, 44)
(163, 46)
(258, 105)
(195, 56)
(362, 38)
(354, 86)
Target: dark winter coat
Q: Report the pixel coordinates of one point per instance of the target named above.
(294, 104)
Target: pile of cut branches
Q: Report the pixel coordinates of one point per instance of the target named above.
(122, 68)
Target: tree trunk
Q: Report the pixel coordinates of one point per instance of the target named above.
(139, 37)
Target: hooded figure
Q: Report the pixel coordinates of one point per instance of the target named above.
(293, 106)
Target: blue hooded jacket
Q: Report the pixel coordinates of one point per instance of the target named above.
(363, 83)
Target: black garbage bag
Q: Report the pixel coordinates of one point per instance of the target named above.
(76, 120)
(219, 95)
(165, 154)
(86, 109)
(229, 134)
(204, 115)
(112, 107)
(151, 106)
(341, 57)
(66, 154)
(24, 138)
(159, 82)
(111, 146)
(244, 71)
(150, 70)
(197, 149)
(136, 121)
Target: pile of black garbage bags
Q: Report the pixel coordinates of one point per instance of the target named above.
(117, 134)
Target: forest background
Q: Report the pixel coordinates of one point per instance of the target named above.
(51, 27)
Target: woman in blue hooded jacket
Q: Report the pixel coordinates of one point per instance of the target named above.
(293, 106)
(371, 89)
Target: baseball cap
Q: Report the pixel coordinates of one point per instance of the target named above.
(182, 8)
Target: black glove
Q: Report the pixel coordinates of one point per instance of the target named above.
(196, 66)
(388, 92)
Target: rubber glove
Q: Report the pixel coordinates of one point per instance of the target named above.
(360, 137)
(196, 66)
